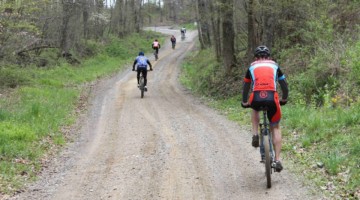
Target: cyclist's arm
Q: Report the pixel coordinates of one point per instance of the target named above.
(283, 85)
(284, 89)
(148, 62)
(246, 87)
(134, 64)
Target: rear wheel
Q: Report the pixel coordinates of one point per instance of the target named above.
(267, 160)
(156, 55)
(142, 86)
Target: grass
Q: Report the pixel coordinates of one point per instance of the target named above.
(321, 144)
(45, 100)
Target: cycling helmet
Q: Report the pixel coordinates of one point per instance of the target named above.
(262, 51)
(141, 53)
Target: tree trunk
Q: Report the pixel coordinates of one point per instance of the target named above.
(203, 24)
(251, 30)
(228, 33)
(67, 8)
(215, 22)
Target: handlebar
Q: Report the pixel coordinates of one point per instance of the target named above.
(135, 70)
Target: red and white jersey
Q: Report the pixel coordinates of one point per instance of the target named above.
(263, 75)
(155, 44)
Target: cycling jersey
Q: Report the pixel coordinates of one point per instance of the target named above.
(263, 75)
(156, 44)
(141, 61)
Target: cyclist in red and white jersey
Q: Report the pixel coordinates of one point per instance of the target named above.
(156, 46)
(261, 77)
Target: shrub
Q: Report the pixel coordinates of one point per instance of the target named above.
(11, 77)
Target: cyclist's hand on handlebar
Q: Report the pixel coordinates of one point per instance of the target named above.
(283, 102)
(133, 69)
(245, 105)
(151, 69)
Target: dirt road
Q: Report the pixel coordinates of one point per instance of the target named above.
(166, 146)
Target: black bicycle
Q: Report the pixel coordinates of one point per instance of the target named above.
(142, 85)
(182, 36)
(156, 55)
(266, 145)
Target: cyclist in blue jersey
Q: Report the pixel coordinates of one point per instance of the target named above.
(142, 62)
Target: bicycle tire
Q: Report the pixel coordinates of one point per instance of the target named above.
(267, 160)
(142, 86)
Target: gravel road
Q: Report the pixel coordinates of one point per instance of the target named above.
(167, 146)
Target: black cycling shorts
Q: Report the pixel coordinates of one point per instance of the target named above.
(268, 99)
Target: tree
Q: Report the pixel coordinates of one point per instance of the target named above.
(203, 24)
(228, 39)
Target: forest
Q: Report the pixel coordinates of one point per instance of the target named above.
(316, 43)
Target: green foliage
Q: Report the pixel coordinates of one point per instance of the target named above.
(131, 45)
(44, 101)
(203, 74)
(13, 77)
(315, 130)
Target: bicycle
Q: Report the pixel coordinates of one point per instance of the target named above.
(266, 146)
(156, 55)
(182, 36)
(142, 87)
(266, 143)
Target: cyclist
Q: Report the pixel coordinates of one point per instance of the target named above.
(142, 61)
(261, 76)
(156, 46)
(173, 41)
(183, 31)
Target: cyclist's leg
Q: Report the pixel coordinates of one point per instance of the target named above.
(138, 75)
(274, 115)
(255, 119)
(144, 71)
(276, 136)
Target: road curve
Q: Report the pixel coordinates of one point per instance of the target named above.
(166, 146)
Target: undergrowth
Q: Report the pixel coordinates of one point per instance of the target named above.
(320, 133)
(36, 103)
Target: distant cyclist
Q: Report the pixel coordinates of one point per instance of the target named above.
(173, 41)
(142, 61)
(183, 31)
(156, 46)
(262, 76)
